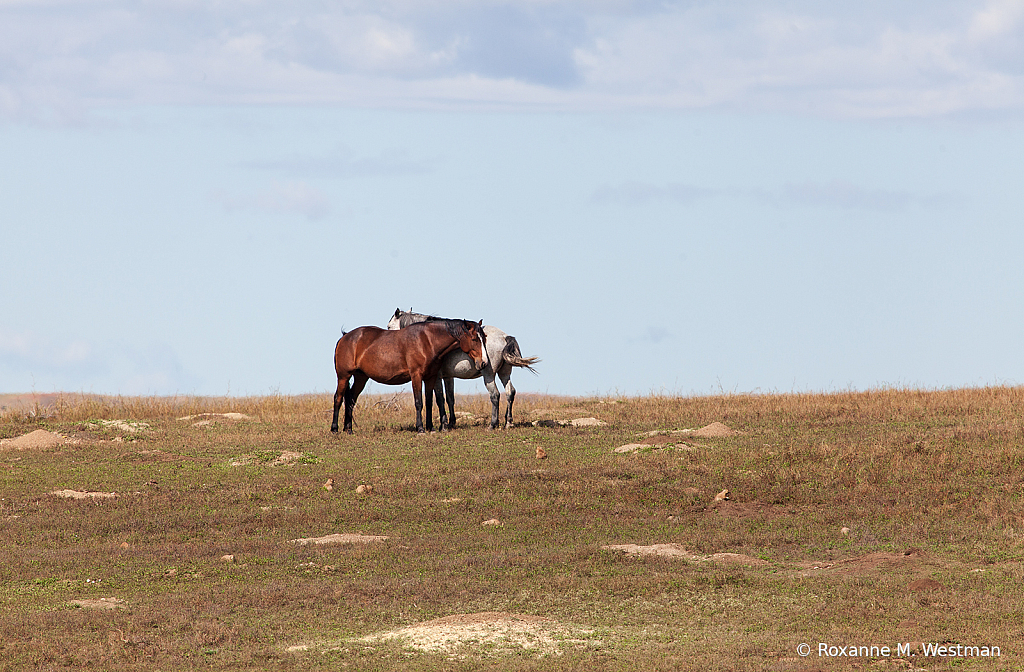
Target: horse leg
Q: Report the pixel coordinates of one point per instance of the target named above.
(510, 394)
(351, 394)
(430, 389)
(442, 421)
(495, 395)
(417, 396)
(339, 396)
(449, 393)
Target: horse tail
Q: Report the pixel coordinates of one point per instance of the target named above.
(514, 356)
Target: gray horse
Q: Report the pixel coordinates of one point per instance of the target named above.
(502, 353)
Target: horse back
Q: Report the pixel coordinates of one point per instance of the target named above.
(390, 357)
(372, 351)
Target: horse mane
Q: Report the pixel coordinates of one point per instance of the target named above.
(409, 318)
(457, 328)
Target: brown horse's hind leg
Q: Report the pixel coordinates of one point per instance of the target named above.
(339, 397)
(417, 397)
(430, 388)
(351, 394)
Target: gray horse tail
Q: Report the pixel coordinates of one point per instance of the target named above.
(514, 356)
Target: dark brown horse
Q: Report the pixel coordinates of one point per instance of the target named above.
(398, 357)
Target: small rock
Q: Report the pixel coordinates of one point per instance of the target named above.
(630, 448)
(493, 522)
(722, 496)
(124, 544)
(228, 557)
(541, 453)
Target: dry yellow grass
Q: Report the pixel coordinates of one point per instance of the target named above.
(878, 518)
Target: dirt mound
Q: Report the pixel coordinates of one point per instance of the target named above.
(490, 632)
(923, 585)
(37, 440)
(714, 430)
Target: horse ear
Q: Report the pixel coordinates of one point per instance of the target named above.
(398, 312)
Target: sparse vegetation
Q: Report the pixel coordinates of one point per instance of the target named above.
(849, 497)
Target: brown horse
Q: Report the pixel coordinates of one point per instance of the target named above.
(398, 357)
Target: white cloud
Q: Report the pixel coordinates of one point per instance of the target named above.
(292, 196)
(25, 350)
(30, 361)
(836, 194)
(999, 18)
(862, 60)
(341, 162)
(637, 193)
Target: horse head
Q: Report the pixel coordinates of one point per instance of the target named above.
(473, 342)
(395, 321)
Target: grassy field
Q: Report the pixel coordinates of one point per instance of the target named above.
(891, 518)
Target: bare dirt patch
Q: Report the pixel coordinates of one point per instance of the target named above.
(103, 603)
(130, 426)
(287, 458)
(216, 416)
(338, 539)
(83, 494)
(575, 422)
(677, 551)
(489, 633)
(657, 441)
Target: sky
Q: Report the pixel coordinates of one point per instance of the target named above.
(653, 197)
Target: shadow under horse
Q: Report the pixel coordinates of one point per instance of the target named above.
(398, 357)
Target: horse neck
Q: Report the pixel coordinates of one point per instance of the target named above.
(405, 319)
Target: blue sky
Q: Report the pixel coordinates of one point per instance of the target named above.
(652, 197)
